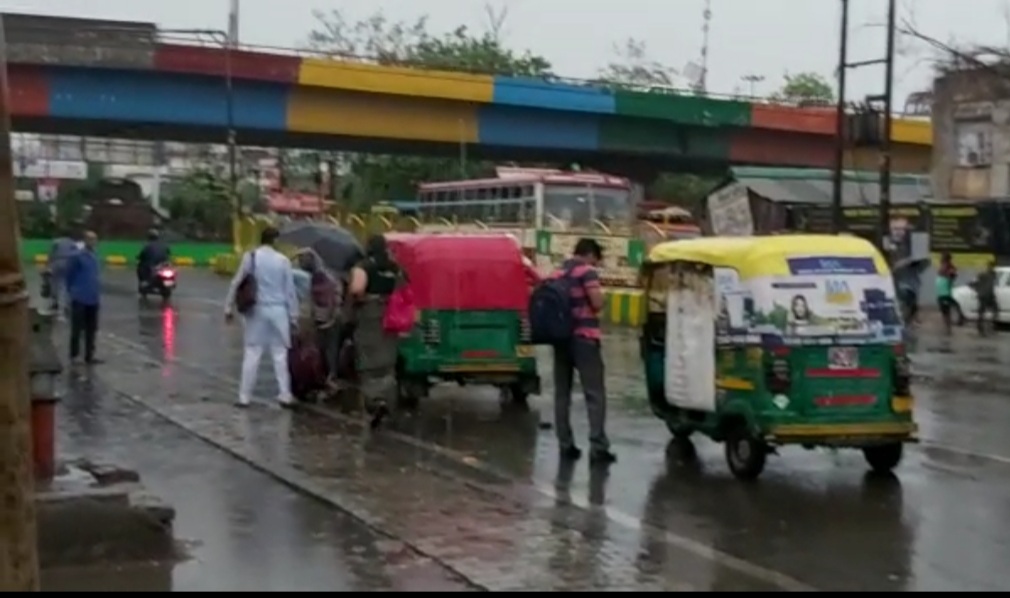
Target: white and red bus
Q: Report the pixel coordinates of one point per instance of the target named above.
(532, 198)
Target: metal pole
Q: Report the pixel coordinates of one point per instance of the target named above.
(19, 567)
(885, 143)
(839, 166)
(232, 136)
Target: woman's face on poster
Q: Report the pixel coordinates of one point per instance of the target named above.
(800, 310)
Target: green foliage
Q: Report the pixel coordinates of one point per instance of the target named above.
(806, 89)
(685, 190)
(635, 70)
(199, 206)
(381, 177)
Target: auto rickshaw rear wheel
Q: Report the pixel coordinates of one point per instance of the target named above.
(883, 458)
(515, 396)
(745, 454)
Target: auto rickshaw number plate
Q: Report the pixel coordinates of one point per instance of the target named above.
(843, 358)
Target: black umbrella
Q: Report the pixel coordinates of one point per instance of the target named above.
(917, 265)
(334, 245)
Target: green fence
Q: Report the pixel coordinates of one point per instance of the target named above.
(125, 252)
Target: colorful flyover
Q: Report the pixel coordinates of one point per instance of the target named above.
(177, 92)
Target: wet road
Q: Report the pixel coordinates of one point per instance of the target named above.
(479, 492)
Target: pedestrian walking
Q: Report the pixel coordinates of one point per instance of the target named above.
(373, 281)
(985, 291)
(263, 292)
(945, 276)
(84, 288)
(583, 354)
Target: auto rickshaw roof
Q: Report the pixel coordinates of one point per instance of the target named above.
(763, 256)
(460, 271)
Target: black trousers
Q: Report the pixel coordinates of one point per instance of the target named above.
(83, 322)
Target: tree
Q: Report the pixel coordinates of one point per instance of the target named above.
(199, 206)
(377, 177)
(805, 89)
(634, 70)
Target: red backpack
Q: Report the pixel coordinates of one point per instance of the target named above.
(401, 311)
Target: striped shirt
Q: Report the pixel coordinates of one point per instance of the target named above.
(584, 278)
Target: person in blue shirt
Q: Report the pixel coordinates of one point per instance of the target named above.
(84, 286)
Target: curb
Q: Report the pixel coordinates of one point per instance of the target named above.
(624, 307)
(121, 260)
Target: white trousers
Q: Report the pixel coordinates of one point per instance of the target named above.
(250, 372)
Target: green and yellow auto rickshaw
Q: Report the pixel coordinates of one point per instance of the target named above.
(761, 342)
(471, 294)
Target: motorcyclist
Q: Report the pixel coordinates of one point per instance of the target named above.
(154, 253)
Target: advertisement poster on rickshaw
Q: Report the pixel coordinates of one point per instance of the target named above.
(824, 300)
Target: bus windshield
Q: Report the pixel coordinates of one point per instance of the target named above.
(579, 205)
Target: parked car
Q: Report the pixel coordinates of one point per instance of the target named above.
(967, 300)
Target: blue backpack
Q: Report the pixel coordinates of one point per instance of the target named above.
(550, 311)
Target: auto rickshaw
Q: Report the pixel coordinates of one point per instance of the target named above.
(471, 295)
(762, 342)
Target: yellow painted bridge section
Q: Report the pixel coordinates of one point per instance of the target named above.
(358, 114)
(370, 78)
(914, 131)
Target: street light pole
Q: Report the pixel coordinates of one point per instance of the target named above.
(885, 142)
(19, 568)
(753, 80)
(837, 181)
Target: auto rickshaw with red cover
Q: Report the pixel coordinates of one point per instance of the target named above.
(471, 294)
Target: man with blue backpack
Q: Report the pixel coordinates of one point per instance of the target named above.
(564, 313)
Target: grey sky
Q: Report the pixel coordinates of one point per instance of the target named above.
(766, 37)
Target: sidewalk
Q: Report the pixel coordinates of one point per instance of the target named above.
(241, 529)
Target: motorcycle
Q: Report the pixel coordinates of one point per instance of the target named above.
(162, 281)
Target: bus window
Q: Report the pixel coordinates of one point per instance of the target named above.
(528, 215)
(509, 212)
(492, 212)
(568, 203)
(611, 206)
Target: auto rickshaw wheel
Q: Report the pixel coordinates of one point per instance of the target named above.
(883, 458)
(513, 395)
(745, 454)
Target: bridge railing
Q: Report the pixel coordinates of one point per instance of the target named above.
(112, 39)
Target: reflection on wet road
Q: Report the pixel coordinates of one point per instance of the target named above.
(492, 504)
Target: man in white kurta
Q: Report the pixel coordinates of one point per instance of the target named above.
(268, 326)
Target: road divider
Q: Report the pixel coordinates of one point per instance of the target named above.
(122, 253)
(624, 307)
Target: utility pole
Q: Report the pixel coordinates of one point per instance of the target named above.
(838, 177)
(19, 568)
(885, 141)
(875, 132)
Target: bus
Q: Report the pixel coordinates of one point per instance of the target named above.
(533, 198)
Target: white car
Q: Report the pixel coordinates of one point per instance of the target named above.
(967, 301)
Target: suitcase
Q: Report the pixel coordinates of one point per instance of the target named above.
(308, 372)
